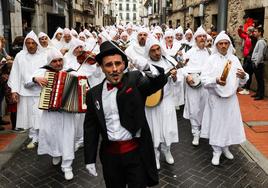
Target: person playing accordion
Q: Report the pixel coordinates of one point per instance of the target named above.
(57, 129)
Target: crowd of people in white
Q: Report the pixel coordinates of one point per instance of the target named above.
(210, 102)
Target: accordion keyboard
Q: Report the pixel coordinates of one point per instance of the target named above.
(46, 92)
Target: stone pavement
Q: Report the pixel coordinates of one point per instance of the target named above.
(192, 168)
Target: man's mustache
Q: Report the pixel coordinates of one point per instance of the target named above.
(114, 74)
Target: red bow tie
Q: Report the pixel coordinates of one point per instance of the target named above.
(111, 86)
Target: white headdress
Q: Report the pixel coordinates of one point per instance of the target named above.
(53, 54)
(33, 36)
(223, 36)
(59, 30)
(200, 31)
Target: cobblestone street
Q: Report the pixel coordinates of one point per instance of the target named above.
(192, 168)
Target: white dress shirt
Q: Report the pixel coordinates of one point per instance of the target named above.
(115, 131)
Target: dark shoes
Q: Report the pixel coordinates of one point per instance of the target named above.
(258, 98)
(19, 130)
(2, 122)
(253, 96)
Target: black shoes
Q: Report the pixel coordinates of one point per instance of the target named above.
(253, 96)
(2, 122)
(258, 98)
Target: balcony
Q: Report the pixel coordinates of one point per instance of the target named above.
(88, 8)
(169, 10)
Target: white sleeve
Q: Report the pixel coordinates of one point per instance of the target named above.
(14, 77)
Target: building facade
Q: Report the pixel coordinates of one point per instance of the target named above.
(127, 11)
(193, 13)
(47, 15)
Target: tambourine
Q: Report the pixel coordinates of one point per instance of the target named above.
(87, 57)
(196, 80)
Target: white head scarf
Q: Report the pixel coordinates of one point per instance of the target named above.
(143, 30)
(200, 31)
(112, 33)
(104, 36)
(59, 30)
(223, 36)
(42, 34)
(179, 30)
(124, 34)
(53, 54)
(33, 36)
(157, 30)
(66, 31)
(87, 33)
(74, 33)
(82, 34)
(74, 44)
(149, 43)
(209, 37)
(188, 31)
(169, 33)
(129, 26)
(120, 27)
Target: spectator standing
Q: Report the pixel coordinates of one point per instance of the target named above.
(258, 62)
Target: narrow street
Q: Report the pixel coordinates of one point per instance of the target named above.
(192, 168)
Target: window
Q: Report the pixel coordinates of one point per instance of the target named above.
(121, 16)
(127, 17)
(134, 16)
(214, 20)
(178, 22)
(120, 7)
(127, 7)
(134, 7)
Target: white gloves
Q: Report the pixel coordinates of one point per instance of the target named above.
(140, 64)
(91, 169)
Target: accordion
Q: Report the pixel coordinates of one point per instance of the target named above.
(64, 92)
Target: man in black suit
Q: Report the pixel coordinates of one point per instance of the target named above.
(116, 111)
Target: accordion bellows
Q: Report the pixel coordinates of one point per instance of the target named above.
(64, 92)
(226, 70)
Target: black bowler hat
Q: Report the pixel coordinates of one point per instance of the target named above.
(106, 48)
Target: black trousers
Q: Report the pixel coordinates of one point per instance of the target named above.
(259, 74)
(248, 68)
(120, 170)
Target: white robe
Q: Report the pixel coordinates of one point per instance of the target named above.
(162, 119)
(195, 98)
(172, 52)
(24, 66)
(57, 43)
(56, 130)
(222, 123)
(57, 134)
(134, 51)
(93, 74)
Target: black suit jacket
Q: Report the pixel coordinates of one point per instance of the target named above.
(131, 103)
